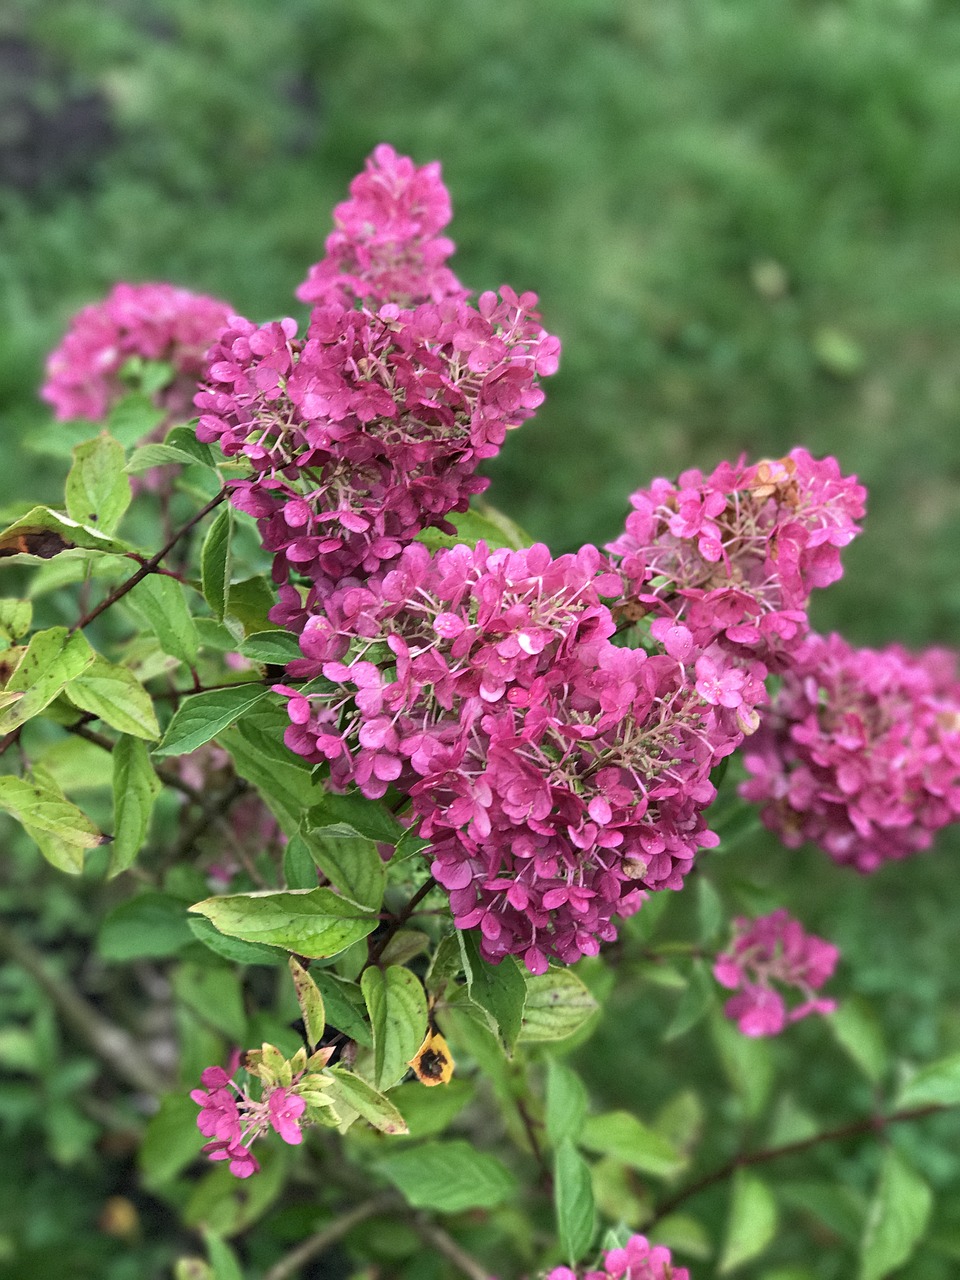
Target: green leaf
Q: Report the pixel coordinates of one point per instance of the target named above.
(404, 945)
(98, 491)
(151, 924)
(557, 1005)
(202, 716)
(171, 1142)
(309, 922)
(694, 1003)
(61, 830)
(936, 1083)
(349, 861)
(710, 913)
(747, 1063)
(159, 600)
(500, 989)
(859, 1032)
(367, 1101)
(310, 1001)
(566, 1103)
(216, 561)
(214, 993)
(224, 1204)
(897, 1220)
(46, 533)
(752, 1223)
(573, 1201)
(15, 619)
(223, 1259)
(50, 661)
(134, 417)
(369, 817)
(135, 789)
(250, 603)
(274, 647)
(428, 1112)
(628, 1139)
(448, 1176)
(345, 1006)
(181, 446)
(281, 778)
(299, 869)
(398, 1015)
(114, 695)
(233, 949)
(482, 523)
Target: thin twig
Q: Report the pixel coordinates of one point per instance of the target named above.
(148, 566)
(329, 1235)
(869, 1124)
(115, 1048)
(438, 1239)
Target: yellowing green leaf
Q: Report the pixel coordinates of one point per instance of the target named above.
(114, 695)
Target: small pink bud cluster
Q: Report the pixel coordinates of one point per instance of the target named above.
(385, 246)
(371, 428)
(772, 949)
(637, 1260)
(860, 751)
(734, 555)
(291, 1094)
(151, 321)
(556, 775)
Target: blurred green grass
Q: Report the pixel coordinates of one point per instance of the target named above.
(741, 218)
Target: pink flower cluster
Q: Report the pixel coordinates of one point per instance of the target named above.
(860, 751)
(234, 1120)
(385, 246)
(152, 321)
(556, 775)
(371, 427)
(637, 1260)
(773, 949)
(735, 555)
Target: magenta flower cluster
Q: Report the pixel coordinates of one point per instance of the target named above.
(556, 775)
(149, 321)
(233, 1120)
(371, 427)
(385, 245)
(773, 949)
(637, 1260)
(860, 751)
(734, 555)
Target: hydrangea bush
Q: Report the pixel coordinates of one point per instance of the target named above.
(399, 795)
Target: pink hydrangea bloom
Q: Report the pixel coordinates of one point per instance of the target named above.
(385, 246)
(557, 776)
(860, 751)
(371, 427)
(234, 1119)
(734, 555)
(153, 321)
(773, 949)
(637, 1260)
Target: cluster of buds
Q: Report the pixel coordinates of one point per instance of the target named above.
(153, 322)
(773, 949)
(557, 775)
(291, 1093)
(637, 1260)
(860, 751)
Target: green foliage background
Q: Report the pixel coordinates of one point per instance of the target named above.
(741, 218)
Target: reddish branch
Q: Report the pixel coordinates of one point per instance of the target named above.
(869, 1124)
